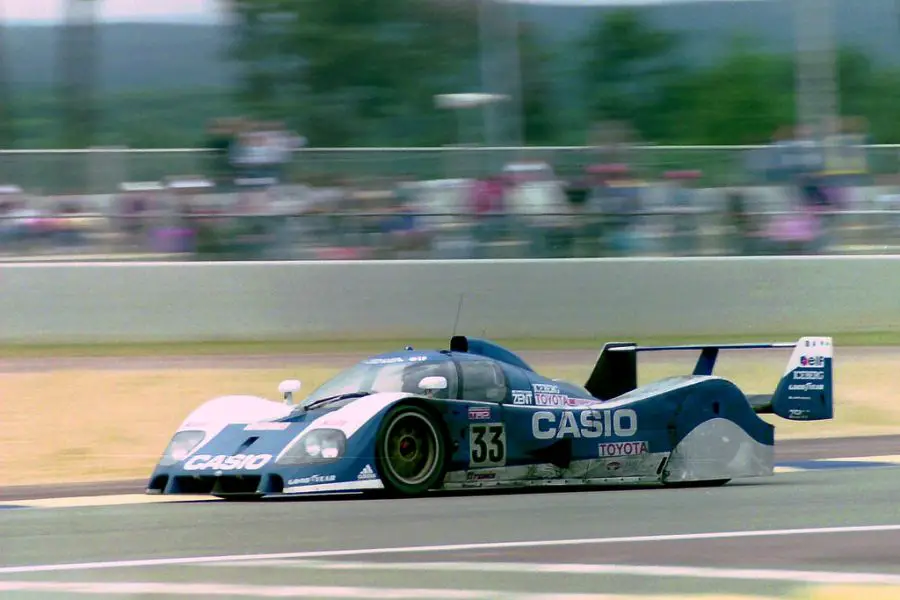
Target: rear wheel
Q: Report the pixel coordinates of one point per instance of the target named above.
(410, 451)
(697, 484)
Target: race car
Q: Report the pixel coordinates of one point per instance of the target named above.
(476, 415)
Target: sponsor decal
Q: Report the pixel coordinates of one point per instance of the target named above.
(487, 445)
(385, 361)
(622, 449)
(481, 476)
(806, 387)
(266, 427)
(545, 394)
(522, 397)
(417, 358)
(613, 466)
(545, 388)
(798, 413)
(589, 424)
(812, 361)
(312, 479)
(479, 413)
(543, 399)
(224, 462)
(809, 375)
(332, 422)
(367, 473)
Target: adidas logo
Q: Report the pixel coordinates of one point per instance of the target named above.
(366, 473)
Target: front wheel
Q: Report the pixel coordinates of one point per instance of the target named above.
(410, 451)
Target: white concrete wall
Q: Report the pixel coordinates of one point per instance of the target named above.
(134, 302)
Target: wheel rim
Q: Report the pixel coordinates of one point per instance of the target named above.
(410, 449)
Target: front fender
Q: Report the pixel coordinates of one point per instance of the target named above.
(235, 409)
(214, 415)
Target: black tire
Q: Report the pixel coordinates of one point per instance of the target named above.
(697, 484)
(410, 451)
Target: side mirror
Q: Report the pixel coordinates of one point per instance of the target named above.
(433, 383)
(288, 388)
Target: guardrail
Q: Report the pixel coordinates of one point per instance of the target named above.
(587, 299)
(101, 170)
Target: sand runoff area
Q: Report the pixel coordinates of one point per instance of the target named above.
(106, 418)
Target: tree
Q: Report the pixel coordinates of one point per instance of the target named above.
(629, 67)
(742, 99)
(537, 102)
(350, 66)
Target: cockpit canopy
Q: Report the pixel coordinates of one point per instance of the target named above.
(392, 374)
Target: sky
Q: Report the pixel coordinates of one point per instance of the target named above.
(51, 11)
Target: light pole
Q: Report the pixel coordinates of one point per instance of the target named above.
(514, 70)
(816, 89)
(489, 76)
(501, 70)
(463, 102)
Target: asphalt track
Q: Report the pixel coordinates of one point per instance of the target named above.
(828, 522)
(481, 545)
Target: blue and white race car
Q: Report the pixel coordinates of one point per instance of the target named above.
(410, 422)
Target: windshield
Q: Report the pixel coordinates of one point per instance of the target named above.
(379, 376)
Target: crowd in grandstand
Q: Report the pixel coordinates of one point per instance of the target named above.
(246, 205)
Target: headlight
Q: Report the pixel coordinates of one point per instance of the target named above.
(316, 447)
(181, 445)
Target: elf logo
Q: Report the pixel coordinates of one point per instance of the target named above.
(812, 361)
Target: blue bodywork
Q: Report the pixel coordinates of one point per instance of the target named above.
(503, 423)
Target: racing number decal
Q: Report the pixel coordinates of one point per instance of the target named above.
(487, 445)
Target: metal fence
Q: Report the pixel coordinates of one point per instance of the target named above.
(102, 170)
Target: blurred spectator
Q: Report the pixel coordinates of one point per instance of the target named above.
(618, 199)
(251, 154)
(280, 144)
(539, 209)
(220, 139)
(742, 230)
(263, 151)
(527, 208)
(682, 201)
(612, 142)
(486, 205)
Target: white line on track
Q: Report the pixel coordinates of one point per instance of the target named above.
(793, 576)
(279, 591)
(196, 560)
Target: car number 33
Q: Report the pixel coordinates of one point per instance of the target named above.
(487, 445)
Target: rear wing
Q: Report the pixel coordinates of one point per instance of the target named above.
(805, 392)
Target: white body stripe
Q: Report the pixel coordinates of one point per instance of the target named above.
(346, 486)
(357, 413)
(215, 415)
(351, 417)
